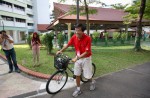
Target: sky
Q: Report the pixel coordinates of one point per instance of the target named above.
(107, 2)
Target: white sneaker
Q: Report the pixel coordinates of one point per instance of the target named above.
(92, 85)
(76, 93)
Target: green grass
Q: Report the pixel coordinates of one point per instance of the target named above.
(107, 59)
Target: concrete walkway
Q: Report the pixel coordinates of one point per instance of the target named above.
(20, 85)
(128, 83)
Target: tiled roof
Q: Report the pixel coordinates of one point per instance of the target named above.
(104, 14)
(42, 27)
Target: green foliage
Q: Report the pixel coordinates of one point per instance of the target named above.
(123, 37)
(60, 40)
(47, 41)
(95, 37)
(106, 38)
(71, 34)
(134, 9)
(119, 6)
(29, 40)
(115, 37)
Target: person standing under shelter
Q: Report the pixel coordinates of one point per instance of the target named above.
(8, 48)
(82, 45)
(35, 43)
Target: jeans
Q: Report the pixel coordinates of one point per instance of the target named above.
(11, 56)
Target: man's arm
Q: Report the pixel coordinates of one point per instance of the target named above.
(10, 41)
(1, 40)
(63, 49)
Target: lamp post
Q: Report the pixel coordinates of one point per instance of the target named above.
(1, 20)
(77, 12)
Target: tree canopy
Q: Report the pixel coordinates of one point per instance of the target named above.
(134, 9)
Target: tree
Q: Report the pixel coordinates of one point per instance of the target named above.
(119, 6)
(134, 9)
(139, 26)
(139, 10)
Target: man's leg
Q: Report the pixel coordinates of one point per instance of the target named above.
(77, 72)
(13, 56)
(87, 71)
(7, 54)
(77, 91)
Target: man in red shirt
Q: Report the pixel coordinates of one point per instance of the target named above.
(82, 45)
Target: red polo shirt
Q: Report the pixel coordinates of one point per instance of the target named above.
(81, 45)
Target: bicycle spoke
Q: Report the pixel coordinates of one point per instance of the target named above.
(60, 79)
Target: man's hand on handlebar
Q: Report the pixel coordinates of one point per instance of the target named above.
(58, 52)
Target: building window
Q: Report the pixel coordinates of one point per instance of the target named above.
(6, 4)
(29, 6)
(29, 15)
(30, 24)
(20, 20)
(7, 18)
(19, 7)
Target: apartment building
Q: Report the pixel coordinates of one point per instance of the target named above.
(21, 17)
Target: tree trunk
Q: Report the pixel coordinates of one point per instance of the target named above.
(87, 17)
(139, 26)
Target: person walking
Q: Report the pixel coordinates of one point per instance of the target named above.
(8, 48)
(83, 61)
(35, 43)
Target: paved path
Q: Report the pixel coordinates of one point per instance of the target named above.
(20, 85)
(128, 83)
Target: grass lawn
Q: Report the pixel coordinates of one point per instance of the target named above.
(107, 59)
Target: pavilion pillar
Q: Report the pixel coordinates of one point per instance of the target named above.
(69, 30)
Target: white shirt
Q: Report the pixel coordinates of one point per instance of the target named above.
(7, 45)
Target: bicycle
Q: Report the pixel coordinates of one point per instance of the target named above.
(58, 80)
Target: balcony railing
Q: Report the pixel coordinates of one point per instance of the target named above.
(6, 8)
(19, 24)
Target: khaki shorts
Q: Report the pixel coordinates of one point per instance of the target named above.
(84, 64)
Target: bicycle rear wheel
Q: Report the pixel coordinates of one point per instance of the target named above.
(83, 79)
(56, 82)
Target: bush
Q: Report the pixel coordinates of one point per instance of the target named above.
(29, 40)
(95, 37)
(106, 38)
(123, 37)
(47, 41)
(61, 40)
(115, 37)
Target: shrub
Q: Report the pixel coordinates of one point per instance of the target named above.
(106, 38)
(115, 37)
(29, 41)
(123, 37)
(60, 40)
(47, 41)
(95, 37)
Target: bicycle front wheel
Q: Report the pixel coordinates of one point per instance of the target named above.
(83, 79)
(56, 82)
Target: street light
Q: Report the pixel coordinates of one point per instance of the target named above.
(1, 20)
